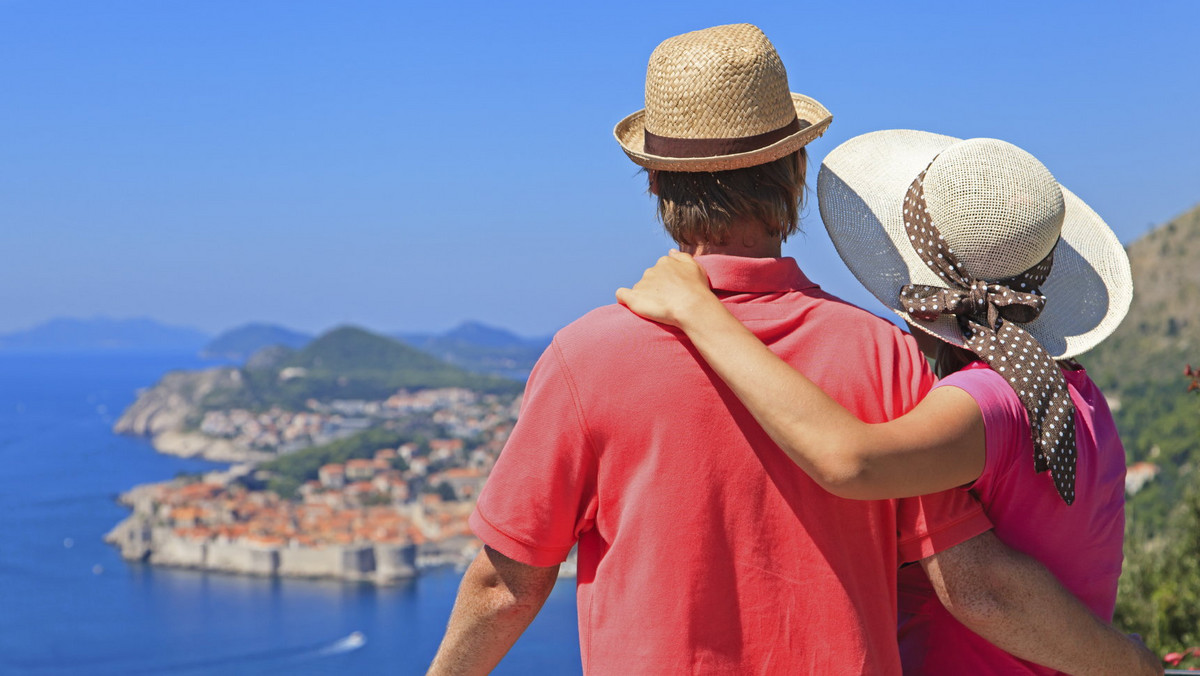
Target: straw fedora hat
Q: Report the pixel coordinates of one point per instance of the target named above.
(718, 99)
(1000, 211)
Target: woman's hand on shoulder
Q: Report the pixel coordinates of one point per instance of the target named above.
(672, 292)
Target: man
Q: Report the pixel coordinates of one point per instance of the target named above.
(702, 547)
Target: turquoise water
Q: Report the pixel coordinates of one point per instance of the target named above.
(70, 605)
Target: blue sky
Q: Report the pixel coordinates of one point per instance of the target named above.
(212, 162)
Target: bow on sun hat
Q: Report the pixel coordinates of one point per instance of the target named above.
(975, 243)
(718, 99)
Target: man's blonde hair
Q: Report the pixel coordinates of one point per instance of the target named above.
(701, 207)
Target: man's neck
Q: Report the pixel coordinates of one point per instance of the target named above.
(746, 240)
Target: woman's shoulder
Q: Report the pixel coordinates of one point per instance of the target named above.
(979, 378)
(1004, 417)
(982, 383)
(1005, 422)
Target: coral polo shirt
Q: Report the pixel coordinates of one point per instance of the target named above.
(702, 547)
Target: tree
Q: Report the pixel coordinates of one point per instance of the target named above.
(1160, 586)
(1178, 593)
(446, 492)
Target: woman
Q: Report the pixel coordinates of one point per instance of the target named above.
(1005, 275)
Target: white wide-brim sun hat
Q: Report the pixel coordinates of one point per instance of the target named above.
(861, 190)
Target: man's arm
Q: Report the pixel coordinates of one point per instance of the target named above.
(497, 600)
(1011, 600)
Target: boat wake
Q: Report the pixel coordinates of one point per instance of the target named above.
(350, 643)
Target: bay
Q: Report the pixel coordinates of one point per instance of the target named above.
(70, 605)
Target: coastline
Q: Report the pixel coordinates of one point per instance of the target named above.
(380, 519)
(161, 413)
(78, 607)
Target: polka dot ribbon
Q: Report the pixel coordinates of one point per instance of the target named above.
(989, 314)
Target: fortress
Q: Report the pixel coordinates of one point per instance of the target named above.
(376, 563)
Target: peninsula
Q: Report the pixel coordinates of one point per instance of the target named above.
(371, 488)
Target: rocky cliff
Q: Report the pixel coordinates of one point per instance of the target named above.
(164, 413)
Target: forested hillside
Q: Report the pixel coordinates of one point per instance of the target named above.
(1141, 370)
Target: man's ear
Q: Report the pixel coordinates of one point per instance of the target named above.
(652, 177)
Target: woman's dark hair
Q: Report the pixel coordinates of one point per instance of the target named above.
(951, 359)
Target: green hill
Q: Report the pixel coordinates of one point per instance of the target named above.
(1162, 330)
(350, 350)
(1140, 367)
(347, 363)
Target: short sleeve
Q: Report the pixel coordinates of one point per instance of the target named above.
(1006, 425)
(929, 524)
(541, 493)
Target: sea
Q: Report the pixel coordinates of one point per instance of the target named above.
(69, 604)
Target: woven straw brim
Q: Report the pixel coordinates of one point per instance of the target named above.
(814, 120)
(861, 188)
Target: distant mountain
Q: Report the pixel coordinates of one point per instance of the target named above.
(481, 348)
(345, 363)
(103, 334)
(1140, 367)
(481, 335)
(239, 343)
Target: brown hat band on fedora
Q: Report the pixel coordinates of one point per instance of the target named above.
(666, 146)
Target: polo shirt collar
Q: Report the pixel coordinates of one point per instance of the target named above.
(742, 274)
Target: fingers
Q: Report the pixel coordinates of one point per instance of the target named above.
(684, 266)
(668, 273)
(683, 261)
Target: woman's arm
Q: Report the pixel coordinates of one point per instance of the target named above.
(938, 445)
